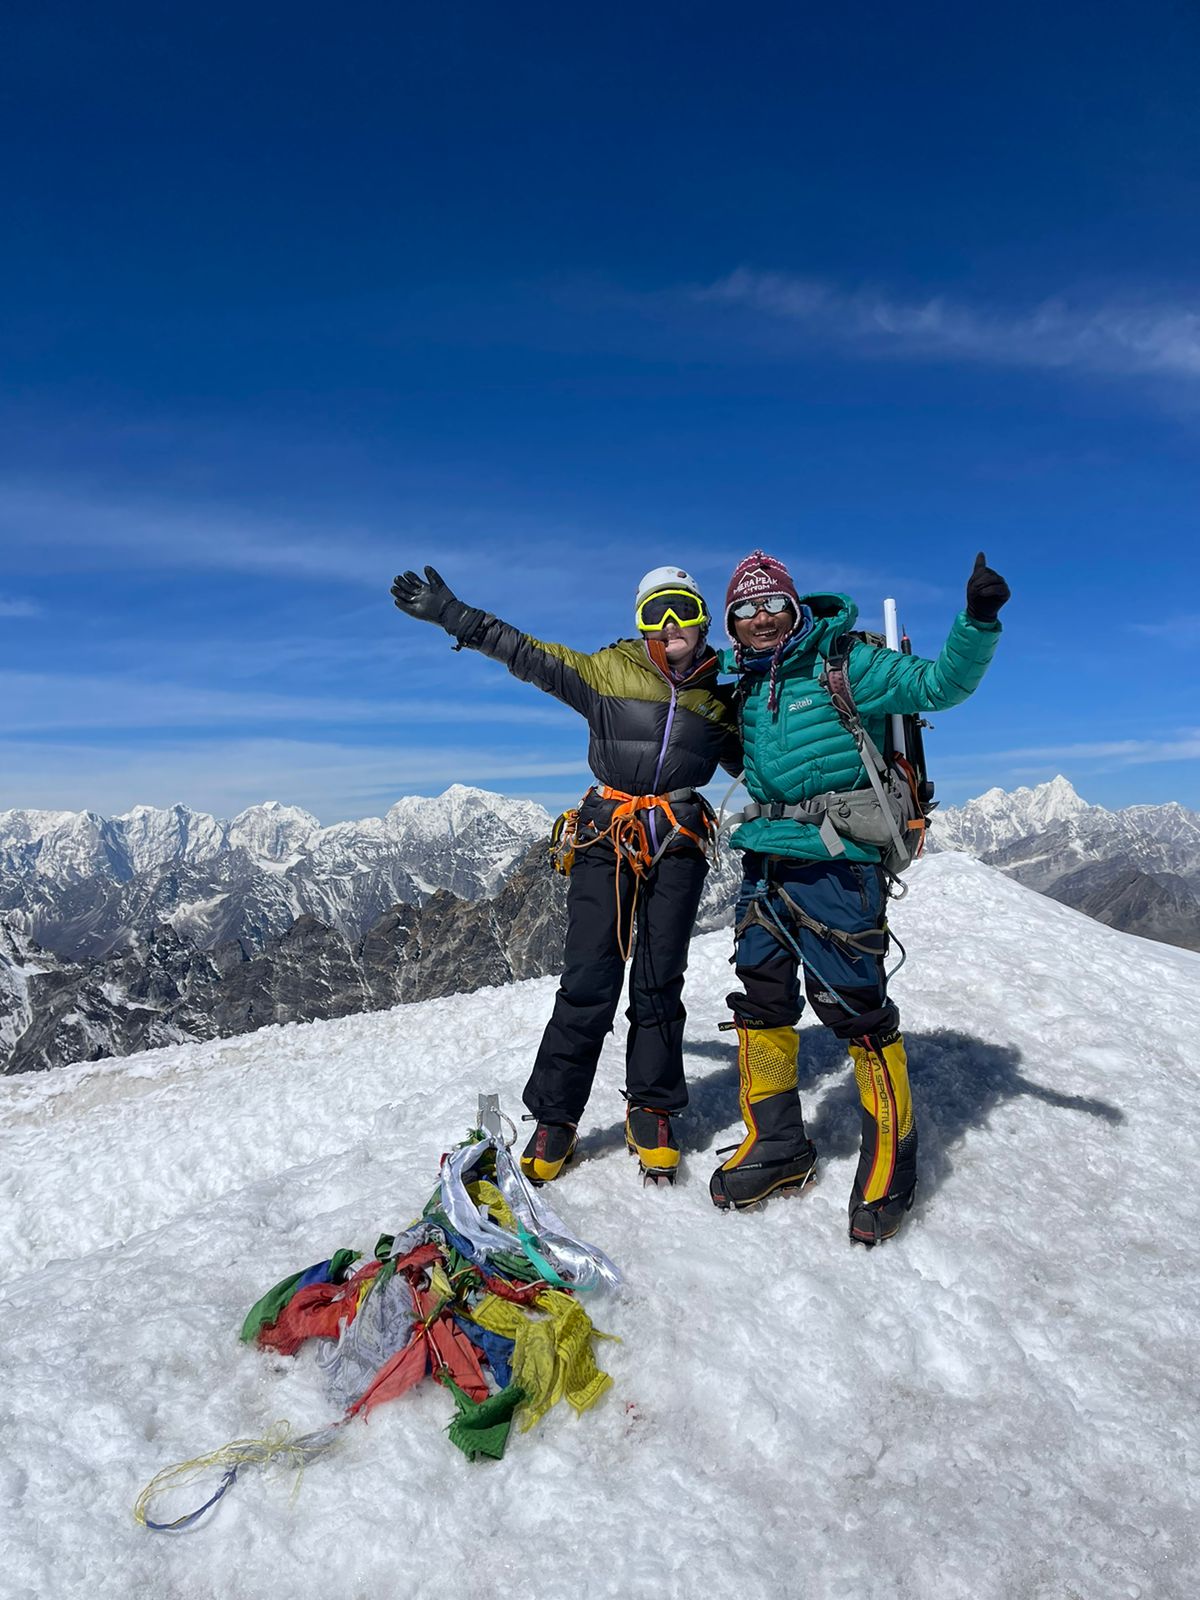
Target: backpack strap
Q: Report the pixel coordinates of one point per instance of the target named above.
(835, 680)
(814, 811)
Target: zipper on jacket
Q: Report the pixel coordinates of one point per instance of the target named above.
(673, 686)
(662, 756)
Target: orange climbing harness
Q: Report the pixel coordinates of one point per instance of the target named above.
(630, 839)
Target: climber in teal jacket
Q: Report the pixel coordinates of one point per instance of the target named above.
(803, 902)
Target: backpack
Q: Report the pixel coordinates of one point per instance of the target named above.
(902, 790)
(894, 812)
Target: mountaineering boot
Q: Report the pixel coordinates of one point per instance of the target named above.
(872, 1224)
(649, 1137)
(776, 1155)
(886, 1180)
(547, 1153)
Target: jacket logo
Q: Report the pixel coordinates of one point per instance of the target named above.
(801, 705)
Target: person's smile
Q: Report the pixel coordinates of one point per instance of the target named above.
(765, 629)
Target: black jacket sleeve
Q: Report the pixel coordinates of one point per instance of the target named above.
(569, 675)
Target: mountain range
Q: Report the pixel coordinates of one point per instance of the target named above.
(1137, 869)
(159, 988)
(82, 886)
(163, 926)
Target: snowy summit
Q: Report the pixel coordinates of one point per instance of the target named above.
(1001, 816)
(999, 1405)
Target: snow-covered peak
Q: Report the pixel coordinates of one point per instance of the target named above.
(485, 832)
(26, 826)
(1051, 802)
(464, 836)
(1047, 835)
(1171, 823)
(273, 832)
(153, 836)
(1001, 816)
(63, 845)
(84, 881)
(22, 832)
(460, 807)
(344, 834)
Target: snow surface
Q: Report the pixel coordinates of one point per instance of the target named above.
(1000, 1403)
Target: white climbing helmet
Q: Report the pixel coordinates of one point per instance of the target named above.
(666, 578)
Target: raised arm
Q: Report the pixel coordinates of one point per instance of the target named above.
(886, 681)
(569, 675)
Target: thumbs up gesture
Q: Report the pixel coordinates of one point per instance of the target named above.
(986, 592)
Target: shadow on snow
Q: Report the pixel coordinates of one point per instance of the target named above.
(957, 1082)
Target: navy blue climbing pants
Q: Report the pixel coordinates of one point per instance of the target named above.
(846, 986)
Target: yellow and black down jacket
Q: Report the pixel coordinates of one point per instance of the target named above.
(650, 734)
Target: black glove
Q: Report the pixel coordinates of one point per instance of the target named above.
(428, 602)
(986, 592)
(431, 600)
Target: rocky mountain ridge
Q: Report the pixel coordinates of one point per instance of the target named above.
(162, 989)
(172, 971)
(214, 933)
(81, 885)
(1137, 869)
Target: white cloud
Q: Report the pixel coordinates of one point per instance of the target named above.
(36, 702)
(494, 558)
(18, 608)
(334, 781)
(37, 522)
(965, 774)
(1117, 338)
(1184, 746)
(49, 529)
(1182, 632)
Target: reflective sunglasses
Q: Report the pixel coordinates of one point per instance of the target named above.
(671, 605)
(772, 604)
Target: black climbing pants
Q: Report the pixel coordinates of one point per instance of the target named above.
(594, 976)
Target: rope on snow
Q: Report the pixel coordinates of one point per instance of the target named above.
(277, 1444)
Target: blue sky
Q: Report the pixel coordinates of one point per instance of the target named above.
(291, 300)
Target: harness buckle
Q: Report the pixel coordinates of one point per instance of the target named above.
(775, 810)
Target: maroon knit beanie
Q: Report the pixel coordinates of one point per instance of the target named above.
(757, 578)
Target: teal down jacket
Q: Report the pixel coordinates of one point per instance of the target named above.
(800, 750)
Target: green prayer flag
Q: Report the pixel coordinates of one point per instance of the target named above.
(482, 1427)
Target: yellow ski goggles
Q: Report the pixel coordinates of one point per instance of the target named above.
(680, 606)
